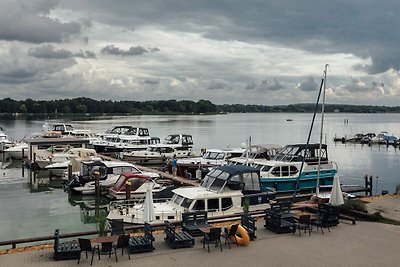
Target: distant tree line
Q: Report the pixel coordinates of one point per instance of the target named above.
(85, 105)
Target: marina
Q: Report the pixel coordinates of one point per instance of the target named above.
(81, 213)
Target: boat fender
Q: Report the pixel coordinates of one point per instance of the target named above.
(242, 237)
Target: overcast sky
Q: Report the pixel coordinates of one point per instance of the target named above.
(230, 51)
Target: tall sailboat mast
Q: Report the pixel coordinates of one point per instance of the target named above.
(322, 129)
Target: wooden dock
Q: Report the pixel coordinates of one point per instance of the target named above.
(178, 179)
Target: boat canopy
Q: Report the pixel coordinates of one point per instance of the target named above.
(235, 177)
(298, 151)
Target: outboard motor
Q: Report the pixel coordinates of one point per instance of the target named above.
(73, 181)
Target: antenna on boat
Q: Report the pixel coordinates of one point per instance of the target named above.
(322, 129)
(308, 138)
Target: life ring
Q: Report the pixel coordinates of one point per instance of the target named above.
(242, 237)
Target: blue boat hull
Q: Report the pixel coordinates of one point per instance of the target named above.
(307, 182)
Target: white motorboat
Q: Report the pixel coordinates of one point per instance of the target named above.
(108, 169)
(210, 159)
(61, 160)
(176, 145)
(4, 142)
(137, 138)
(223, 192)
(19, 151)
(254, 152)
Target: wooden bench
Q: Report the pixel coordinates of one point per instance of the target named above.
(193, 221)
(66, 250)
(249, 224)
(177, 240)
(139, 244)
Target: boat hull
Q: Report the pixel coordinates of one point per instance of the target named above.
(306, 183)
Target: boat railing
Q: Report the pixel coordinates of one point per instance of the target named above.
(122, 204)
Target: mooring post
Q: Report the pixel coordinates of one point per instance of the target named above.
(128, 190)
(97, 183)
(366, 184)
(69, 171)
(370, 185)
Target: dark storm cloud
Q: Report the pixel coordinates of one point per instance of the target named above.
(308, 85)
(364, 28)
(271, 85)
(217, 85)
(251, 85)
(29, 22)
(132, 51)
(49, 51)
(152, 81)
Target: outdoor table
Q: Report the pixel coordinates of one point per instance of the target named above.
(105, 239)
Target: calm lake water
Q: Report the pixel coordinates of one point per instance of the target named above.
(35, 209)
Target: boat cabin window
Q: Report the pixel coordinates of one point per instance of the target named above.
(143, 132)
(246, 181)
(119, 170)
(276, 171)
(285, 170)
(131, 131)
(226, 203)
(186, 202)
(213, 204)
(178, 199)
(199, 205)
(293, 170)
(187, 140)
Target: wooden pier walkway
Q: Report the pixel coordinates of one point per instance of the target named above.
(178, 179)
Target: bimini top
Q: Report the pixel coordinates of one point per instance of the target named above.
(233, 177)
(237, 169)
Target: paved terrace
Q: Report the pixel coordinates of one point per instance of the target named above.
(363, 244)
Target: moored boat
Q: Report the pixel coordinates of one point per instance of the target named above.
(138, 184)
(176, 145)
(284, 173)
(224, 191)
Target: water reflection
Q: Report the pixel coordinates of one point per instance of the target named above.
(91, 207)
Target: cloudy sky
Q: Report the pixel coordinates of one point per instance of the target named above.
(228, 51)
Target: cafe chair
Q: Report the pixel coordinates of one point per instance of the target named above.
(86, 246)
(230, 234)
(303, 223)
(117, 227)
(108, 247)
(213, 237)
(123, 243)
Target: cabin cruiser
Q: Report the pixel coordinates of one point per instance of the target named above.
(4, 142)
(210, 159)
(138, 184)
(284, 173)
(254, 152)
(108, 170)
(61, 160)
(18, 151)
(111, 140)
(176, 145)
(223, 192)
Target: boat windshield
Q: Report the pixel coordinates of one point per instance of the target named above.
(214, 155)
(215, 179)
(182, 201)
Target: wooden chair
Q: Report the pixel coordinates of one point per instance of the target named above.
(213, 237)
(86, 246)
(177, 240)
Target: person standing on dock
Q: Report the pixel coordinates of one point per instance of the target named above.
(174, 165)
